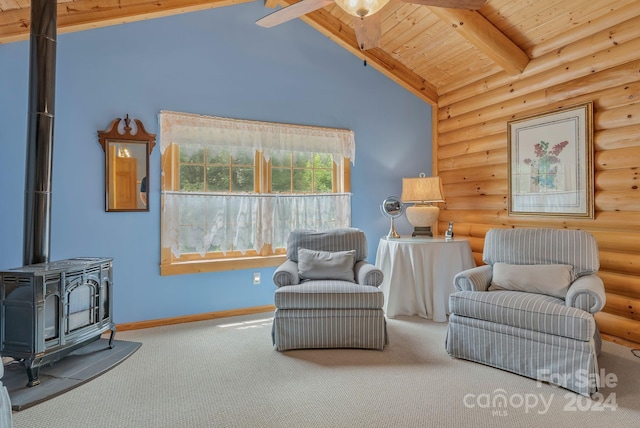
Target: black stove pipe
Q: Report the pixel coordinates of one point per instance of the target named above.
(39, 162)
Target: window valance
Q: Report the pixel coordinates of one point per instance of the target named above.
(265, 137)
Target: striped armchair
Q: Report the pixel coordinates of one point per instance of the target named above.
(328, 295)
(530, 309)
(5, 403)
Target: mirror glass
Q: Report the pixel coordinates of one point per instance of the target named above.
(126, 175)
(392, 207)
(126, 166)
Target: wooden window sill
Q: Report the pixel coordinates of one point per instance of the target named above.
(200, 266)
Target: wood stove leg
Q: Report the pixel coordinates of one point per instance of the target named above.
(32, 373)
(111, 336)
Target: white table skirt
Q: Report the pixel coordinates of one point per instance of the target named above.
(418, 274)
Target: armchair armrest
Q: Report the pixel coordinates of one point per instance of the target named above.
(586, 293)
(474, 279)
(367, 274)
(286, 274)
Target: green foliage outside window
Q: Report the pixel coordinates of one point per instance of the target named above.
(214, 169)
(301, 172)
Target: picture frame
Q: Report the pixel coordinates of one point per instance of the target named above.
(550, 163)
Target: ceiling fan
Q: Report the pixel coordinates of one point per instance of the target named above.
(366, 23)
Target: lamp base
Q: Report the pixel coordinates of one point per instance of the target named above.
(422, 232)
(422, 218)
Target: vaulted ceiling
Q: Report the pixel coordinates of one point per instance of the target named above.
(427, 50)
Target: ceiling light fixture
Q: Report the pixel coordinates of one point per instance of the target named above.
(361, 8)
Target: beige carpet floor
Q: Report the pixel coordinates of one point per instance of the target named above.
(225, 373)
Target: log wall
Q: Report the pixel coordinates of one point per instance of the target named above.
(470, 141)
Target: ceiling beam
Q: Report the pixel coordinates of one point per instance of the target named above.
(86, 14)
(345, 36)
(474, 27)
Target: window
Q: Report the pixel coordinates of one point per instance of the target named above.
(232, 190)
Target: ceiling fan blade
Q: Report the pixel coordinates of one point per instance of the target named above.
(294, 11)
(451, 4)
(368, 31)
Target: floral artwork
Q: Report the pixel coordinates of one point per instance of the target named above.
(545, 164)
(550, 163)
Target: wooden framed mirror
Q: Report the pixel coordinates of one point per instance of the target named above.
(126, 165)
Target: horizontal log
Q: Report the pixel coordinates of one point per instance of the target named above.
(623, 306)
(470, 230)
(619, 341)
(487, 187)
(618, 200)
(621, 87)
(617, 158)
(617, 18)
(618, 117)
(619, 221)
(623, 74)
(620, 262)
(470, 202)
(616, 138)
(477, 258)
(476, 244)
(479, 173)
(611, 244)
(616, 241)
(615, 325)
(584, 66)
(620, 283)
(474, 159)
(618, 179)
(483, 129)
(490, 142)
(449, 132)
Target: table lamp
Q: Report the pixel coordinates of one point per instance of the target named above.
(423, 192)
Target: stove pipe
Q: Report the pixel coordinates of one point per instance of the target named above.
(42, 75)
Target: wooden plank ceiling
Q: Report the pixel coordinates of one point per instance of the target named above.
(427, 50)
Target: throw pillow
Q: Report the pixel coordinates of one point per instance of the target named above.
(552, 280)
(326, 265)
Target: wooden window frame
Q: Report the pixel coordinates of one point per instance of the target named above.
(232, 260)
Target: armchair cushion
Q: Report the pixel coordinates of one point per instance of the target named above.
(329, 295)
(529, 311)
(326, 264)
(550, 279)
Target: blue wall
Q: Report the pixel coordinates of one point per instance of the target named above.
(215, 62)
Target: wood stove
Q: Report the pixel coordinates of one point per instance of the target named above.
(50, 309)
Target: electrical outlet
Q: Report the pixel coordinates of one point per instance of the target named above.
(256, 278)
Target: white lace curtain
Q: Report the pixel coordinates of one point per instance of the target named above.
(204, 222)
(265, 137)
(200, 222)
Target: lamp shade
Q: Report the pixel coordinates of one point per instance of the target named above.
(422, 190)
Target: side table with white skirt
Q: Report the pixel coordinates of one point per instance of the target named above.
(418, 274)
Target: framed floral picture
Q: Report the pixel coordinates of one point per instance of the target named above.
(550, 160)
